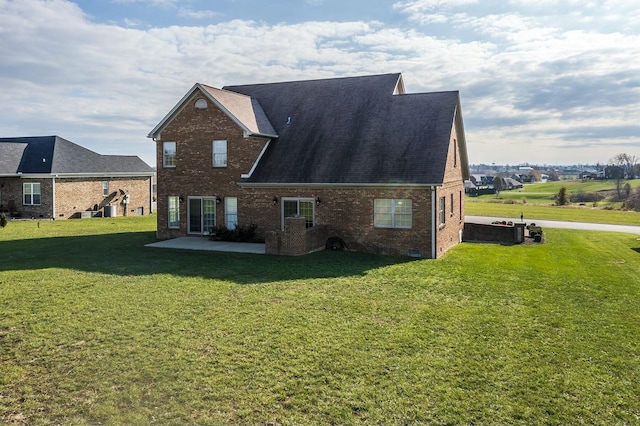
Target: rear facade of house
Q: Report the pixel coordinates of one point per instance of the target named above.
(353, 163)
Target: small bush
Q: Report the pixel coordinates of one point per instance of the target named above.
(586, 197)
(241, 234)
(561, 197)
(3, 220)
(633, 201)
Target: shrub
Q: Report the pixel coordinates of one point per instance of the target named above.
(3, 220)
(586, 197)
(561, 197)
(241, 234)
(633, 201)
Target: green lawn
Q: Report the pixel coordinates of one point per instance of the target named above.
(544, 193)
(536, 201)
(97, 329)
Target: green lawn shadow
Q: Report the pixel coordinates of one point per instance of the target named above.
(125, 254)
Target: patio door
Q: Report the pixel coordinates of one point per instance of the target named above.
(202, 215)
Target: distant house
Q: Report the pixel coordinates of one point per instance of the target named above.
(481, 180)
(589, 174)
(50, 177)
(614, 172)
(510, 183)
(351, 163)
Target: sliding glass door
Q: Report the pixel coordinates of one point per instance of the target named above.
(202, 215)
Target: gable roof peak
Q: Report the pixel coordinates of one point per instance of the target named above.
(242, 109)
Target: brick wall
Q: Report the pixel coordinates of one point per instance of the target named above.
(494, 233)
(450, 234)
(12, 191)
(74, 195)
(194, 130)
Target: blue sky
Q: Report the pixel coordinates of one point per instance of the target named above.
(544, 82)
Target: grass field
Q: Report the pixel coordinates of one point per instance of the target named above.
(97, 329)
(536, 201)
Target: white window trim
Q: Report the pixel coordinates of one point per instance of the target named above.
(393, 214)
(442, 208)
(202, 199)
(31, 192)
(213, 153)
(164, 156)
(298, 199)
(227, 201)
(177, 203)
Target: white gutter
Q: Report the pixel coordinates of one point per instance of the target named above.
(150, 195)
(335, 185)
(53, 196)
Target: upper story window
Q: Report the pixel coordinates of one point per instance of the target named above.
(390, 213)
(451, 205)
(168, 154)
(31, 193)
(219, 153)
(455, 153)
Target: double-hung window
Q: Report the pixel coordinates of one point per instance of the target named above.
(31, 193)
(451, 205)
(299, 207)
(393, 213)
(174, 212)
(219, 149)
(168, 154)
(105, 188)
(231, 212)
(441, 210)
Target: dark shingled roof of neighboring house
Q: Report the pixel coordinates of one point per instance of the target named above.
(354, 130)
(55, 155)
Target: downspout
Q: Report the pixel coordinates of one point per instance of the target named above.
(150, 194)
(53, 197)
(433, 222)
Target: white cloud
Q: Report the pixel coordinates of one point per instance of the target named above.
(430, 11)
(528, 83)
(198, 14)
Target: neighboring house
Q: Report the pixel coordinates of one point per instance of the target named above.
(510, 183)
(353, 162)
(614, 172)
(50, 177)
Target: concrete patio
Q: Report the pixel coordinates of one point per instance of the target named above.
(202, 243)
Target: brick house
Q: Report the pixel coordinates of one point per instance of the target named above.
(50, 177)
(352, 163)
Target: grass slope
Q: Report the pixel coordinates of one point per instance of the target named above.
(95, 328)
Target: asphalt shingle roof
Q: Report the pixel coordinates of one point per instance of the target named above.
(353, 130)
(55, 155)
(245, 109)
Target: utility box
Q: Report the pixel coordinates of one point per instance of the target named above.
(110, 211)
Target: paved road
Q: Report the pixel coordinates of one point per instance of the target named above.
(628, 229)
